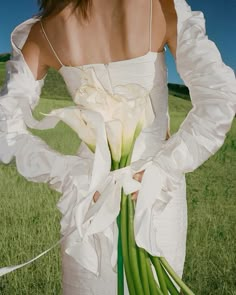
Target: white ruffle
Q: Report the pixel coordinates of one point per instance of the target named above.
(213, 91)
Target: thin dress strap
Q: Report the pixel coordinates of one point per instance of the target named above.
(50, 44)
(150, 27)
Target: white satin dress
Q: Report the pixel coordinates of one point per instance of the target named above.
(89, 244)
(149, 71)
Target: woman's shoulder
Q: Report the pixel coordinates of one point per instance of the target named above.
(26, 41)
(20, 32)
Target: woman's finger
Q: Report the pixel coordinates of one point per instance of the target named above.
(96, 196)
(134, 196)
(138, 176)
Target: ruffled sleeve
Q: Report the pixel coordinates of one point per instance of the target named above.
(20, 94)
(212, 87)
(34, 159)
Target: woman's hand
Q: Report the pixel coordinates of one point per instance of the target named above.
(137, 176)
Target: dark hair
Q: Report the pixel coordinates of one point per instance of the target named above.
(49, 7)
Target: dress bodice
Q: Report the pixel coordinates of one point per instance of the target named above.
(148, 70)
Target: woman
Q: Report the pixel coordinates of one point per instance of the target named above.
(105, 49)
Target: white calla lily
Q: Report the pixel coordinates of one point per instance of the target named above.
(73, 117)
(114, 136)
(128, 110)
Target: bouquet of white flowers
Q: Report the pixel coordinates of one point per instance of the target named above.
(119, 117)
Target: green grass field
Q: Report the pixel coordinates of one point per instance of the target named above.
(30, 220)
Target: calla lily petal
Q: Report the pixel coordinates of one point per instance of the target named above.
(73, 117)
(114, 136)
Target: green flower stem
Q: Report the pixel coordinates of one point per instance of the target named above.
(124, 233)
(123, 161)
(120, 282)
(133, 259)
(176, 278)
(115, 165)
(129, 156)
(120, 269)
(156, 263)
(143, 270)
(131, 148)
(171, 287)
(152, 283)
(124, 241)
(120, 261)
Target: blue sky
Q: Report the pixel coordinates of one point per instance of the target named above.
(220, 23)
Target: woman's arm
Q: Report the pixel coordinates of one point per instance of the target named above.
(35, 54)
(20, 94)
(35, 160)
(170, 16)
(212, 87)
